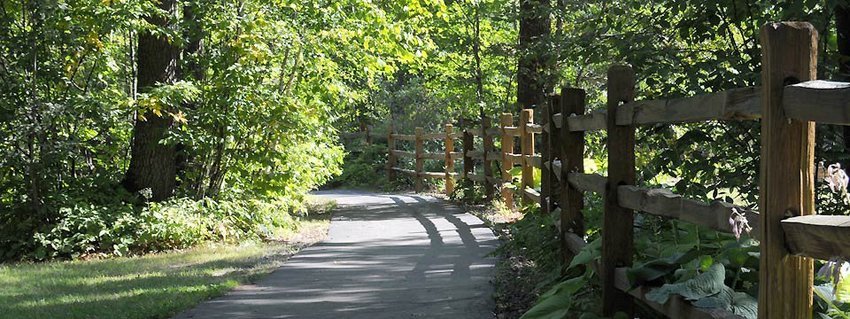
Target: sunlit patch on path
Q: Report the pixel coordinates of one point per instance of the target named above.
(386, 256)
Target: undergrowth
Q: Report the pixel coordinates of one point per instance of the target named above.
(364, 166)
(89, 230)
(708, 268)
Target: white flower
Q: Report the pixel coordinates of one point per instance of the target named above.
(739, 223)
(147, 193)
(836, 178)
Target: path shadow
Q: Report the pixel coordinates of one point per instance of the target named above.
(398, 257)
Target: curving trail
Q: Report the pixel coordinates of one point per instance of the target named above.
(386, 256)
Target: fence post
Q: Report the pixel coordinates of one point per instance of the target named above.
(571, 150)
(617, 221)
(368, 137)
(507, 120)
(489, 188)
(417, 184)
(789, 55)
(546, 157)
(527, 149)
(391, 159)
(450, 162)
(468, 163)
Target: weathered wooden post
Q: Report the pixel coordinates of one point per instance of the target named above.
(571, 150)
(617, 221)
(789, 55)
(546, 157)
(420, 162)
(507, 120)
(368, 136)
(526, 139)
(450, 162)
(391, 158)
(468, 163)
(489, 188)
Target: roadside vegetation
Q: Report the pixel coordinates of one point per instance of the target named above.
(152, 286)
(155, 285)
(154, 131)
(678, 48)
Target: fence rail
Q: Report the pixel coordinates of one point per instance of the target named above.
(787, 175)
(523, 132)
(787, 227)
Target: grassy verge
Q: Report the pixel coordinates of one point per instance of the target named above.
(151, 286)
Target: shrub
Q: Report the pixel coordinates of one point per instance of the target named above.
(467, 192)
(365, 167)
(120, 229)
(86, 230)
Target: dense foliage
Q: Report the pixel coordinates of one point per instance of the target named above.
(248, 104)
(678, 48)
(250, 96)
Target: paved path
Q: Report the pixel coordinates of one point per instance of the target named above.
(386, 256)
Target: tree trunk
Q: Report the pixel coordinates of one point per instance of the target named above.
(194, 34)
(842, 26)
(534, 28)
(154, 164)
(476, 52)
(192, 71)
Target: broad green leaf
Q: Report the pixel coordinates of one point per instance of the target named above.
(701, 286)
(728, 299)
(555, 303)
(658, 268)
(589, 253)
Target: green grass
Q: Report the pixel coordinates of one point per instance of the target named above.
(152, 286)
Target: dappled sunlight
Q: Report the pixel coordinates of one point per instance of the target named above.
(101, 287)
(394, 256)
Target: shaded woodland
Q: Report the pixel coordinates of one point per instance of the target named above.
(137, 126)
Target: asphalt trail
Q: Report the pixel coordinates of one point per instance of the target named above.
(386, 256)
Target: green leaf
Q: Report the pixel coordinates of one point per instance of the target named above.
(705, 263)
(555, 303)
(701, 286)
(722, 300)
(658, 268)
(842, 291)
(745, 305)
(587, 254)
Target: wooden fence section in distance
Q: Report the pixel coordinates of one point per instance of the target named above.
(788, 103)
(419, 156)
(523, 135)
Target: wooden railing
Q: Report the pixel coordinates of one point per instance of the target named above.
(788, 228)
(365, 133)
(788, 103)
(419, 156)
(525, 132)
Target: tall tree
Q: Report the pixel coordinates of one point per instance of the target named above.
(842, 24)
(534, 28)
(153, 164)
(476, 53)
(190, 70)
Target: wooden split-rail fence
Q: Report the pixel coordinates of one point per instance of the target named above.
(789, 103)
(524, 132)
